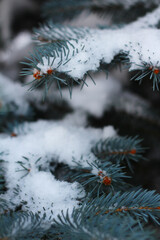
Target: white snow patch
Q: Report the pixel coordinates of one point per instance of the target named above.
(44, 194)
(101, 46)
(94, 99)
(59, 141)
(12, 92)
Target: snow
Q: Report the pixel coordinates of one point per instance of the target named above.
(37, 144)
(29, 154)
(149, 20)
(139, 39)
(94, 99)
(133, 104)
(21, 41)
(15, 97)
(52, 141)
(44, 194)
(77, 118)
(58, 139)
(106, 94)
(12, 92)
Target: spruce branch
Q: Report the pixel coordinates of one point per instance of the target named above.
(27, 165)
(79, 225)
(68, 9)
(141, 204)
(16, 127)
(99, 177)
(51, 57)
(21, 225)
(150, 20)
(149, 70)
(4, 206)
(74, 52)
(56, 33)
(2, 173)
(119, 149)
(2, 179)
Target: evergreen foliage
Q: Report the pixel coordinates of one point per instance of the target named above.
(122, 148)
(80, 227)
(105, 206)
(108, 176)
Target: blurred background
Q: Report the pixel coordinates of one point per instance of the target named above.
(131, 108)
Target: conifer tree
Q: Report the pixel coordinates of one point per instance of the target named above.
(71, 146)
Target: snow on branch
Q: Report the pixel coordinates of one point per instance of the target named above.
(27, 171)
(77, 52)
(149, 20)
(101, 46)
(50, 32)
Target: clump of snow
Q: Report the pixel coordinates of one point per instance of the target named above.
(149, 20)
(13, 93)
(98, 171)
(16, 50)
(15, 97)
(77, 118)
(42, 193)
(94, 99)
(109, 130)
(63, 141)
(133, 104)
(102, 45)
(54, 141)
